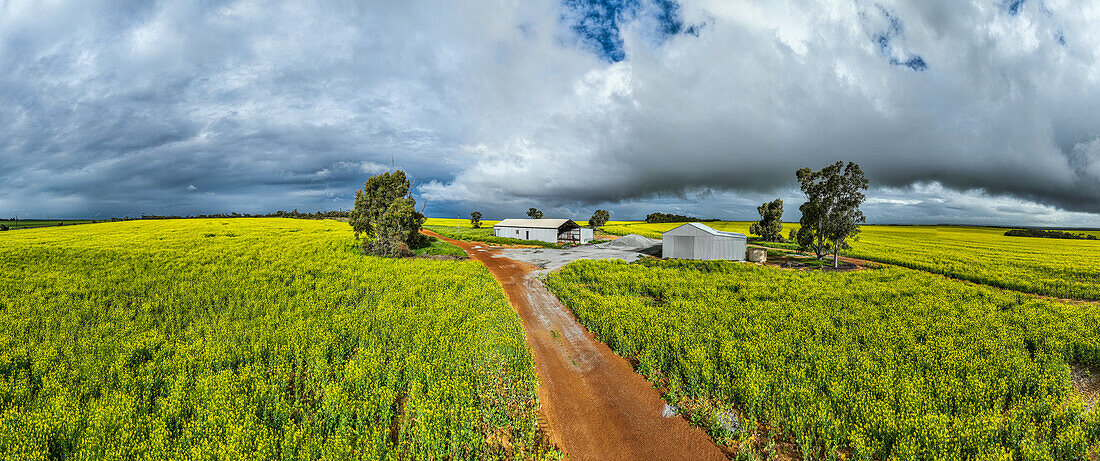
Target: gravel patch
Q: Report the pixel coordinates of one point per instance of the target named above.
(632, 242)
(550, 259)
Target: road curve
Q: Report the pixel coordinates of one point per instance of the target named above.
(596, 406)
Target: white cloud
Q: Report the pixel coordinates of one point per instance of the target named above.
(114, 108)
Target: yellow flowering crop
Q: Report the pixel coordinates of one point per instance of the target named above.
(252, 339)
(882, 364)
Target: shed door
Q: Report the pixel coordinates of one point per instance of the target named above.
(682, 246)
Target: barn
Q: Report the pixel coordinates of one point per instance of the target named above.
(699, 241)
(544, 230)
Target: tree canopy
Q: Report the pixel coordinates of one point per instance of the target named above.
(831, 213)
(475, 220)
(770, 226)
(534, 213)
(386, 216)
(599, 218)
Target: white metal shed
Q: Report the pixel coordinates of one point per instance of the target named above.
(544, 230)
(699, 241)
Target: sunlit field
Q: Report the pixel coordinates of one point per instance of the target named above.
(1052, 267)
(253, 338)
(873, 364)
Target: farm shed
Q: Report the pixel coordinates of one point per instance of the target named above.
(544, 230)
(699, 241)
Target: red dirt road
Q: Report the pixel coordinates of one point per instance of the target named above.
(596, 406)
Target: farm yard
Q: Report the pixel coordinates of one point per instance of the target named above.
(253, 338)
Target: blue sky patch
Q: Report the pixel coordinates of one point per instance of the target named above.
(916, 63)
(1014, 6)
(597, 22)
(884, 40)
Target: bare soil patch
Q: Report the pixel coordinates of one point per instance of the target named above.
(1086, 382)
(795, 262)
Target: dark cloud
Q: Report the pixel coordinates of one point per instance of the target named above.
(956, 111)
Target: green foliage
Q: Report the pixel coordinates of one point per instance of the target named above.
(884, 364)
(534, 213)
(475, 220)
(374, 199)
(273, 339)
(831, 213)
(486, 236)
(439, 247)
(599, 218)
(387, 216)
(398, 230)
(770, 226)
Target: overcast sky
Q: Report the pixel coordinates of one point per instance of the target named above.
(959, 111)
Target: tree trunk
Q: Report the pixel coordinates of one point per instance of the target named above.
(836, 256)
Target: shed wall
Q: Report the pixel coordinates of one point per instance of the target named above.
(719, 247)
(678, 246)
(689, 242)
(523, 233)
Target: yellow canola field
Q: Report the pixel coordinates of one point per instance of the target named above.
(253, 339)
(872, 364)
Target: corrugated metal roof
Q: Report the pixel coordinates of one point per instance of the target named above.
(711, 230)
(533, 223)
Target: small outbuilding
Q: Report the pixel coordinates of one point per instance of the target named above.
(699, 241)
(543, 230)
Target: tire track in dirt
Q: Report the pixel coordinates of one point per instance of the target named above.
(596, 406)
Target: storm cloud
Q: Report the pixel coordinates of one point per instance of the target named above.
(958, 111)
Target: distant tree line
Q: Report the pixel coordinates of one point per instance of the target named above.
(1050, 234)
(278, 214)
(666, 218)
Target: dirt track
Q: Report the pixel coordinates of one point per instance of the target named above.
(596, 406)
